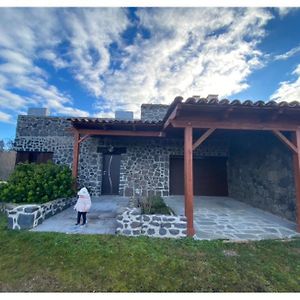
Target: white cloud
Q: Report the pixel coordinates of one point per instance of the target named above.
(288, 54)
(52, 57)
(4, 117)
(27, 35)
(283, 11)
(90, 33)
(196, 51)
(288, 90)
(190, 52)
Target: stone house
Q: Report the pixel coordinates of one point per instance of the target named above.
(201, 146)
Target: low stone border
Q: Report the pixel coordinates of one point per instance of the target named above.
(132, 223)
(30, 215)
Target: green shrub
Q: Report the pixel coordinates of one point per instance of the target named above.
(37, 183)
(154, 205)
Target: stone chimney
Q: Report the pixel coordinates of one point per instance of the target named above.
(38, 111)
(124, 115)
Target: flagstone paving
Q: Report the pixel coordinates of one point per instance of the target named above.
(226, 218)
(100, 220)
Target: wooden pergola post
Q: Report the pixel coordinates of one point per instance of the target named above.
(296, 160)
(75, 156)
(188, 179)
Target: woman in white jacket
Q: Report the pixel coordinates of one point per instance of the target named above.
(82, 205)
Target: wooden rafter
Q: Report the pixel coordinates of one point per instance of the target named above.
(286, 141)
(242, 125)
(172, 116)
(83, 138)
(227, 113)
(121, 133)
(276, 114)
(203, 137)
(296, 161)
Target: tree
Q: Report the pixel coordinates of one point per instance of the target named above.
(6, 145)
(2, 144)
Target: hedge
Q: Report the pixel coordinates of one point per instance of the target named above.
(37, 183)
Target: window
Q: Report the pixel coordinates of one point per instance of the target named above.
(33, 157)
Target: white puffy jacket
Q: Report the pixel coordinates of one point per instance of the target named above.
(84, 202)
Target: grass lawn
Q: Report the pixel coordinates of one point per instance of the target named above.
(34, 261)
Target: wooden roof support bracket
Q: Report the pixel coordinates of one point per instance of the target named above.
(172, 116)
(83, 138)
(203, 137)
(286, 141)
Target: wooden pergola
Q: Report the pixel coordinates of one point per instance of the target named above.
(279, 118)
(212, 115)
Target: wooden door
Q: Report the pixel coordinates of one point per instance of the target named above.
(210, 176)
(111, 174)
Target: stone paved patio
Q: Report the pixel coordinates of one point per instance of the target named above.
(100, 220)
(226, 218)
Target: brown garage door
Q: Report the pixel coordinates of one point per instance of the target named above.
(210, 176)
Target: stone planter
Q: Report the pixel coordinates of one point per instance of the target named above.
(28, 216)
(132, 223)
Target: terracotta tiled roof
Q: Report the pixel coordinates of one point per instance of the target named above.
(111, 121)
(192, 100)
(215, 101)
(111, 124)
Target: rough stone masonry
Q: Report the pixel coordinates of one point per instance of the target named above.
(144, 166)
(259, 167)
(132, 223)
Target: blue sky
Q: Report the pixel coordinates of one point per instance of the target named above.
(93, 61)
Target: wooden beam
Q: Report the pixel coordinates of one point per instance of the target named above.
(75, 156)
(203, 137)
(83, 138)
(276, 114)
(172, 115)
(121, 133)
(296, 161)
(226, 113)
(285, 140)
(188, 180)
(238, 124)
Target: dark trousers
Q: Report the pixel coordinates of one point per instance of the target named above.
(83, 214)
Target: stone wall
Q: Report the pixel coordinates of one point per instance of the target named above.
(45, 134)
(51, 134)
(90, 166)
(42, 126)
(144, 167)
(7, 164)
(132, 223)
(153, 112)
(260, 173)
(30, 215)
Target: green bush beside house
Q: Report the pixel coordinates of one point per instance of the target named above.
(155, 205)
(37, 183)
